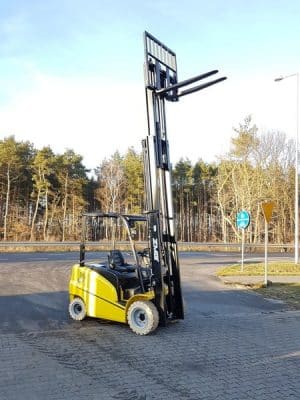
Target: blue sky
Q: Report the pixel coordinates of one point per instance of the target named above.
(71, 71)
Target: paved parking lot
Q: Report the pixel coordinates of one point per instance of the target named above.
(232, 345)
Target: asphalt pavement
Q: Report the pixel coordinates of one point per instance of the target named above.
(233, 344)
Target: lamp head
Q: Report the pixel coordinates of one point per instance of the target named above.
(280, 78)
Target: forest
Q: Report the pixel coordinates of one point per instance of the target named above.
(43, 194)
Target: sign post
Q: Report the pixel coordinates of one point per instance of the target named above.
(243, 249)
(267, 209)
(242, 222)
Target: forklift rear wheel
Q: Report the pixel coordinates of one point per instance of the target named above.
(142, 317)
(77, 309)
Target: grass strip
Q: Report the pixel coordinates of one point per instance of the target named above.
(287, 292)
(274, 268)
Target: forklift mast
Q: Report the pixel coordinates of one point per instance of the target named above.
(161, 84)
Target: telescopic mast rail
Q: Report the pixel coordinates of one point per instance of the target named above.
(161, 84)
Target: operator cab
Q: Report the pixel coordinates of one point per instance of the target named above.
(125, 267)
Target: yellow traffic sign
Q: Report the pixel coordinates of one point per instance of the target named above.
(267, 208)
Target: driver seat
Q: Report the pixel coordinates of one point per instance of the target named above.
(116, 261)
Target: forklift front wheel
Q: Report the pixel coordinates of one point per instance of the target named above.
(142, 317)
(77, 309)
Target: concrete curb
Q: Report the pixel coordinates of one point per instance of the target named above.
(250, 281)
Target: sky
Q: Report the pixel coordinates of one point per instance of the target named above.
(71, 72)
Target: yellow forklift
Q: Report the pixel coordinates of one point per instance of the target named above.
(142, 294)
(112, 288)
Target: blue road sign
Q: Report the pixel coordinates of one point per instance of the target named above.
(243, 219)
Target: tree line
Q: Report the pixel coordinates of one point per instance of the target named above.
(43, 194)
(259, 167)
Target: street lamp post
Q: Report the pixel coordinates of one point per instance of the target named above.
(296, 168)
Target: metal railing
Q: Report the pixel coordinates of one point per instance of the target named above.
(183, 246)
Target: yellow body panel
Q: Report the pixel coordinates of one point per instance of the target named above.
(98, 294)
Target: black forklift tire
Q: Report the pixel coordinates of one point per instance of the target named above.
(77, 309)
(142, 317)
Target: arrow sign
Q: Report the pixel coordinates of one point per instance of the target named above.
(268, 210)
(243, 219)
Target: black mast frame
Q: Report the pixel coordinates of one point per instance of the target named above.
(161, 84)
